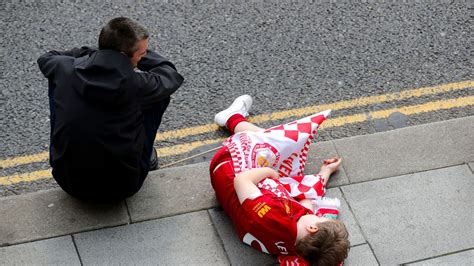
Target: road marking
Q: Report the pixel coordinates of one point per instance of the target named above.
(364, 101)
(343, 120)
(332, 122)
(427, 107)
(27, 177)
(39, 157)
(191, 131)
(186, 132)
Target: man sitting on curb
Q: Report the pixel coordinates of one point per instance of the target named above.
(105, 107)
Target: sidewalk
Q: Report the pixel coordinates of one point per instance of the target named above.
(407, 197)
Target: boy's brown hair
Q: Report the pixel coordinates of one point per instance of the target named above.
(328, 246)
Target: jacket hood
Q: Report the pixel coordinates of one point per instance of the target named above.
(105, 78)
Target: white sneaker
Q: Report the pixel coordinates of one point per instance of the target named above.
(241, 105)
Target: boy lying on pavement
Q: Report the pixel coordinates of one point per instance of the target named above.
(258, 179)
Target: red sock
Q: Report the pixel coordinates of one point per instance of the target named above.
(234, 120)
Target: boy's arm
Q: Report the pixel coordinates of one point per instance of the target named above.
(245, 184)
(329, 166)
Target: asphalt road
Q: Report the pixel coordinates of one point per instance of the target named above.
(287, 55)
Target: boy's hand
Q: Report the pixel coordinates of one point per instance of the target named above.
(330, 165)
(272, 173)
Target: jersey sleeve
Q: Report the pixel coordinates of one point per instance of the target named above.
(267, 220)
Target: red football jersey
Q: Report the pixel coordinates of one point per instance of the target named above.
(268, 222)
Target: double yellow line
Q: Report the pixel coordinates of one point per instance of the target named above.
(339, 121)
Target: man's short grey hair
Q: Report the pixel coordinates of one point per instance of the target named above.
(122, 34)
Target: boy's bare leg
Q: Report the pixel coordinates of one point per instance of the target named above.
(247, 126)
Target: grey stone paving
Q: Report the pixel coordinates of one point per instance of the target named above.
(188, 239)
(407, 151)
(53, 213)
(361, 255)
(419, 215)
(465, 258)
(238, 252)
(346, 215)
(170, 192)
(422, 218)
(54, 251)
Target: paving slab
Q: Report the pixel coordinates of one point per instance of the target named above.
(419, 215)
(361, 255)
(238, 252)
(53, 213)
(407, 150)
(54, 251)
(173, 191)
(347, 217)
(460, 259)
(319, 151)
(187, 239)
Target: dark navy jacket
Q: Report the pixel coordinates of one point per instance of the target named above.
(98, 136)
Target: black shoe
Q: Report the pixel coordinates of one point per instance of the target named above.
(154, 160)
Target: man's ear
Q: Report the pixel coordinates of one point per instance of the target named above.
(312, 229)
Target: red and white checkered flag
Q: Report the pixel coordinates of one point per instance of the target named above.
(283, 148)
(304, 187)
